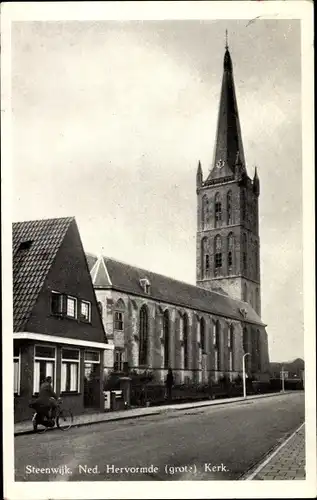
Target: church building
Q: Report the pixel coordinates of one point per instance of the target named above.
(202, 332)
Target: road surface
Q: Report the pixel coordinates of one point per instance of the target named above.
(210, 443)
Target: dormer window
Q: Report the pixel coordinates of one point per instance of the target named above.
(146, 285)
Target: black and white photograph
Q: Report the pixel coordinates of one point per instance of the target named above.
(158, 222)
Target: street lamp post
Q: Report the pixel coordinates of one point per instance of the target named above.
(243, 374)
(283, 384)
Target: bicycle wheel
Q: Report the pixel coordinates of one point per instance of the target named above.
(64, 420)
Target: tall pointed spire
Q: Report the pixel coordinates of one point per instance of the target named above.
(256, 182)
(228, 136)
(199, 175)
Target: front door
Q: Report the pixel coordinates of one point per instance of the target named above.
(92, 385)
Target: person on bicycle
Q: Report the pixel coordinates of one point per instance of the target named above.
(47, 397)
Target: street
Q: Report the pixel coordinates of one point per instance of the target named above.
(210, 443)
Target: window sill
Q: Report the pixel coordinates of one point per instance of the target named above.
(71, 393)
(63, 316)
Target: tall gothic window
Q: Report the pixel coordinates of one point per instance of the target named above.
(143, 340)
(243, 205)
(205, 261)
(230, 350)
(244, 252)
(245, 340)
(217, 346)
(229, 207)
(185, 340)
(257, 300)
(202, 335)
(118, 318)
(205, 210)
(230, 252)
(258, 349)
(218, 210)
(166, 334)
(214, 333)
(256, 256)
(218, 255)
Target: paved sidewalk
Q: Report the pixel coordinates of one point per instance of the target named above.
(91, 418)
(285, 463)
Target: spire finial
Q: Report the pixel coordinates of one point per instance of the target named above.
(226, 46)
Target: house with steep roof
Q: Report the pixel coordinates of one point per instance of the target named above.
(58, 329)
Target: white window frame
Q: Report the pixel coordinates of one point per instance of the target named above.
(121, 320)
(76, 307)
(229, 338)
(71, 361)
(89, 360)
(38, 358)
(18, 359)
(89, 311)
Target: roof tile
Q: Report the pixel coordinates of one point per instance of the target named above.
(29, 268)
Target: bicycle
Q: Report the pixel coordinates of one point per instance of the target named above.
(63, 419)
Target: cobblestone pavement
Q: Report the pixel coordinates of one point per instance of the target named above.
(288, 462)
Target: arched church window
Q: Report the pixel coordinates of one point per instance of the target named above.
(230, 245)
(257, 300)
(258, 349)
(243, 205)
(218, 254)
(205, 211)
(256, 256)
(119, 315)
(205, 260)
(143, 339)
(217, 346)
(230, 348)
(166, 333)
(185, 340)
(229, 207)
(202, 335)
(245, 340)
(218, 210)
(244, 252)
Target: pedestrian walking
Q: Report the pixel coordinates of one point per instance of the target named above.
(169, 382)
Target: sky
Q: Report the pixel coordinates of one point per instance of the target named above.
(110, 119)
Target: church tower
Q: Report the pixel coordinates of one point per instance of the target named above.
(228, 246)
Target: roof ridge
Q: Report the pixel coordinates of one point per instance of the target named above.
(177, 280)
(147, 270)
(71, 217)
